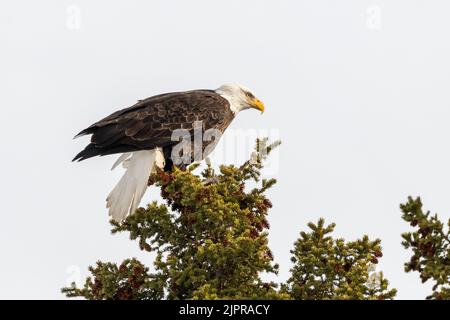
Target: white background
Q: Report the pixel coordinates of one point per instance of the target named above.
(357, 90)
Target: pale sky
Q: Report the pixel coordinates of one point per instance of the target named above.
(358, 91)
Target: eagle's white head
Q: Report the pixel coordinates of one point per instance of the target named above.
(240, 97)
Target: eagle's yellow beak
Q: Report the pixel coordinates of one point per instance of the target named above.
(257, 104)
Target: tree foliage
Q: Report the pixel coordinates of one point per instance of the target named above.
(430, 246)
(327, 268)
(211, 242)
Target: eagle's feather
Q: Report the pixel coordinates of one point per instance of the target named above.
(127, 194)
(150, 122)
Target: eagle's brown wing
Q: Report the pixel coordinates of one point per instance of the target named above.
(149, 123)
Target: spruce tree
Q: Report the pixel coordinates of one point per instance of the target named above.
(430, 245)
(211, 242)
(328, 268)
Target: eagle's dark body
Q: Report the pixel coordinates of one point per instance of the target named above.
(150, 123)
(144, 134)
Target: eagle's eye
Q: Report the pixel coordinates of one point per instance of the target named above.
(249, 95)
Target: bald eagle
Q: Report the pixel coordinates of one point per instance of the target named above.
(144, 134)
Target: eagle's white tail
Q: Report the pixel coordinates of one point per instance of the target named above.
(124, 199)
